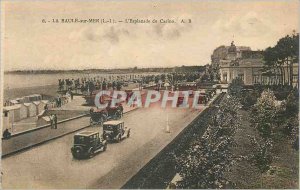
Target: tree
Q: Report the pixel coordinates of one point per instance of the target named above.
(249, 99)
(263, 114)
(283, 56)
(292, 104)
(203, 164)
(261, 156)
(272, 63)
(235, 88)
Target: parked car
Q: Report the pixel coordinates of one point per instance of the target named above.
(115, 131)
(87, 143)
(202, 99)
(180, 101)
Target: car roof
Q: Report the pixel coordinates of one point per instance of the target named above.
(113, 122)
(86, 133)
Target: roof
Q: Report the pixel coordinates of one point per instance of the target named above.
(33, 95)
(86, 133)
(36, 102)
(13, 107)
(14, 101)
(113, 122)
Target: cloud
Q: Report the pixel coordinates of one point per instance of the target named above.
(248, 25)
(112, 34)
(170, 31)
(117, 32)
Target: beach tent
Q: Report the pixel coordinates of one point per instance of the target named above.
(32, 109)
(11, 113)
(36, 104)
(31, 98)
(13, 102)
(24, 110)
(17, 101)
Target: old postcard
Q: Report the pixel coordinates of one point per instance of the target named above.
(149, 94)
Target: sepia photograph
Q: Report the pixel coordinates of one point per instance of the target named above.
(149, 94)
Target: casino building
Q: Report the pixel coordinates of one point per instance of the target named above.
(241, 62)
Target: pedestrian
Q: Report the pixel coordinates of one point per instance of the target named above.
(55, 121)
(51, 121)
(59, 101)
(46, 107)
(6, 134)
(71, 95)
(56, 102)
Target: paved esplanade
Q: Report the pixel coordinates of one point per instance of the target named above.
(51, 165)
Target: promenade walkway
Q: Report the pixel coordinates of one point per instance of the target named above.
(28, 140)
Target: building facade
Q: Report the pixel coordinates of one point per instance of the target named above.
(243, 63)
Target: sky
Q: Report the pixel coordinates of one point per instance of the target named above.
(28, 43)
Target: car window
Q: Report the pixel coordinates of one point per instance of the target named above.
(79, 139)
(108, 127)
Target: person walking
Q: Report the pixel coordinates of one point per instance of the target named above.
(56, 102)
(59, 101)
(55, 121)
(46, 107)
(51, 121)
(71, 94)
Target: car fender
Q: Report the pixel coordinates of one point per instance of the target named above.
(90, 150)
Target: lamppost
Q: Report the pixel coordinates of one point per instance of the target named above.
(167, 126)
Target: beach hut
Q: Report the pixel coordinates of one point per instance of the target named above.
(11, 113)
(24, 110)
(33, 97)
(36, 104)
(32, 109)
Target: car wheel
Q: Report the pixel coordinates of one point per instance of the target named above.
(76, 152)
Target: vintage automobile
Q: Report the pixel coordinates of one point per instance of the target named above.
(99, 116)
(115, 131)
(202, 99)
(87, 143)
(180, 101)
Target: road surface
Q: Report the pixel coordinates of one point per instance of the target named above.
(51, 165)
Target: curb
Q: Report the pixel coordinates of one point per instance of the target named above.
(53, 138)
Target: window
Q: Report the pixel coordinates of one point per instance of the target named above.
(255, 79)
(225, 77)
(241, 76)
(295, 78)
(6, 114)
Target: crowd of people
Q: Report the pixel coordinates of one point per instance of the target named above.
(95, 83)
(88, 84)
